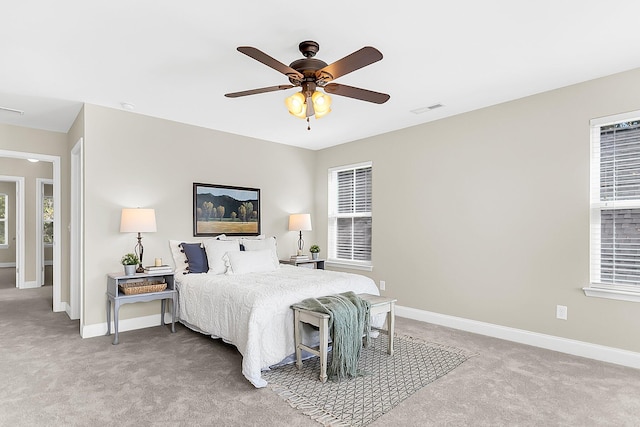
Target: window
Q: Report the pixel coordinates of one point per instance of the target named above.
(47, 220)
(350, 215)
(615, 207)
(4, 226)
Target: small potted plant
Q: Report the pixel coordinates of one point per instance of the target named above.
(130, 262)
(315, 250)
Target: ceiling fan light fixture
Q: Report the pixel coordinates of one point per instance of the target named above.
(321, 104)
(296, 105)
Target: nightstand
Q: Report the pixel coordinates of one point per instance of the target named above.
(117, 297)
(308, 263)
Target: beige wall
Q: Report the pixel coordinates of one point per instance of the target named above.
(138, 161)
(485, 215)
(30, 172)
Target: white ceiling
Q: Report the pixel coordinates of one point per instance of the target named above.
(176, 59)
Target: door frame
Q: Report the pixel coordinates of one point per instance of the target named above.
(76, 273)
(19, 182)
(58, 305)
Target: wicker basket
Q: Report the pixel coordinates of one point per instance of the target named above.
(143, 287)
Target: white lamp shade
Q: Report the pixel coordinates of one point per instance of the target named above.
(300, 222)
(137, 220)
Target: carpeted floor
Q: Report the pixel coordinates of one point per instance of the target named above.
(50, 376)
(7, 277)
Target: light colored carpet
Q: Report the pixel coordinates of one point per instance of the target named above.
(7, 277)
(50, 376)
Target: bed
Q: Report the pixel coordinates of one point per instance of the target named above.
(251, 310)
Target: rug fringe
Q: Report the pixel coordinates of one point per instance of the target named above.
(323, 417)
(466, 353)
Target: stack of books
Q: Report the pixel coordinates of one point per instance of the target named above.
(153, 269)
(299, 257)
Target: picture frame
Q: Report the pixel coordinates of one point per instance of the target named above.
(225, 209)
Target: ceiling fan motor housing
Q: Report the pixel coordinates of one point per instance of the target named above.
(307, 67)
(309, 48)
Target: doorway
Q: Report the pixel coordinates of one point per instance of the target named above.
(12, 260)
(58, 305)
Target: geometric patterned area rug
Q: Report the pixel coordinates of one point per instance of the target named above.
(388, 380)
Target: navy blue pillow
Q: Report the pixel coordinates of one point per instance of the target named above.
(196, 257)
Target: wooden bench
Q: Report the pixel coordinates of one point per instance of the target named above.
(379, 304)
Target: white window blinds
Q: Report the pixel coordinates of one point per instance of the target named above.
(615, 204)
(350, 214)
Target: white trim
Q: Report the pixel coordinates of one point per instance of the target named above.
(616, 118)
(352, 166)
(617, 294)
(7, 264)
(549, 342)
(76, 262)
(100, 329)
(30, 285)
(57, 251)
(346, 264)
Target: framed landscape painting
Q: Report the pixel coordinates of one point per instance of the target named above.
(223, 209)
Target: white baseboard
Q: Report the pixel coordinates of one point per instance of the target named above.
(67, 309)
(100, 329)
(30, 285)
(7, 264)
(549, 342)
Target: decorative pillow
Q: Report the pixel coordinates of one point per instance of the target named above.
(179, 258)
(215, 250)
(258, 245)
(249, 262)
(196, 257)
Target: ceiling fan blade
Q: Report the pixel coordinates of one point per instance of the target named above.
(260, 56)
(256, 91)
(358, 59)
(356, 93)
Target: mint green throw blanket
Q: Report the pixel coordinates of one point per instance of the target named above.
(348, 322)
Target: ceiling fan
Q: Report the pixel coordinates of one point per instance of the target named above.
(310, 73)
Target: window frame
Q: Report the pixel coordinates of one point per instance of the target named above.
(334, 215)
(596, 288)
(45, 221)
(5, 221)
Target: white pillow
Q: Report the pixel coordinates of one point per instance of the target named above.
(215, 250)
(259, 245)
(250, 262)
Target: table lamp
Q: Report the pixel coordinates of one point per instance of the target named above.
(300, 222)
(137, 220)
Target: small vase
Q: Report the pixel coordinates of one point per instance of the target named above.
(314, 255)
(130, 270)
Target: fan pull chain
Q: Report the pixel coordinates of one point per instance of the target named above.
(308, 125)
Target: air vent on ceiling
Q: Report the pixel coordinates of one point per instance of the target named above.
(425, 109)
(12, 110)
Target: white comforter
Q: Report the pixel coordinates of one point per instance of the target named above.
(252, 311)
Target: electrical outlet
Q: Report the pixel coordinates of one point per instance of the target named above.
(382, 285)
(561, 312)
